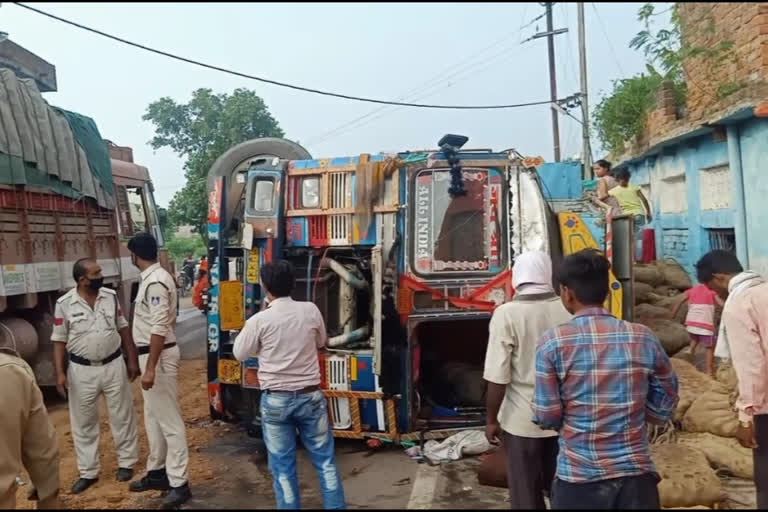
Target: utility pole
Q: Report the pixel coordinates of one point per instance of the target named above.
(550, 35)
(553, 82)
(586, 148)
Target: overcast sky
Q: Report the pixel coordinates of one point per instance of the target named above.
(438, 53)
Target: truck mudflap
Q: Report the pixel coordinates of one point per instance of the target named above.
(576, 236)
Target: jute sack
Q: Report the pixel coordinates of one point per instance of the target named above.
(712, 412)
(667, 302)
(493, 469)
(686, 478)
(641, 292)
(650, 312)
(692, 383)
(672, 335)
(675, 275)
(727, 376)
(722, 453)
(648, 274)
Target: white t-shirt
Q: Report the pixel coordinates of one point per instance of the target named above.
(511, 357)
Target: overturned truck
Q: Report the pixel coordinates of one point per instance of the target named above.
(406, 255)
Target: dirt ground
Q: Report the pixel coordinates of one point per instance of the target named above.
(108, 492)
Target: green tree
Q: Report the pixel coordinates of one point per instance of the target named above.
(166, 226)
(179, 246)
(622, 113)
(200, 131)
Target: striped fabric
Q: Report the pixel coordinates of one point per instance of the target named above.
(597, 379)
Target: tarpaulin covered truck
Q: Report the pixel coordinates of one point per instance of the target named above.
(65, 194)
(406, 255)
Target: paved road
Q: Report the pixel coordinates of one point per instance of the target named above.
(379, 480)
(191, 333)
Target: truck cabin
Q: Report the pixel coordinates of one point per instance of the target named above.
(406, 257)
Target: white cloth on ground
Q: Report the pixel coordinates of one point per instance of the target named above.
(468, 442)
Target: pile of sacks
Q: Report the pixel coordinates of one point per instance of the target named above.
(699, 445)
(702, 445)
(656, 288)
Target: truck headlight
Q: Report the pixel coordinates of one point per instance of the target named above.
(310, 192)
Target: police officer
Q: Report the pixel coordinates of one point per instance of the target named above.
(154, 323)
(27, 438)
(90, 330)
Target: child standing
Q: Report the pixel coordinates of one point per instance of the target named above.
(700, 321)
(632, 202)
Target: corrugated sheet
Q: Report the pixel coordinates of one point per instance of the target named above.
(34, 135)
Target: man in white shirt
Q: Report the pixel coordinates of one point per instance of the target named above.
(286, 337)
(510, 369)
(90, 331)
(154, 331)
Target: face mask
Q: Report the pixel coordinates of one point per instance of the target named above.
(95, 284)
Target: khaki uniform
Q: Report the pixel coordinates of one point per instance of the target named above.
(155, 313)
(27, 438)
(92, 334)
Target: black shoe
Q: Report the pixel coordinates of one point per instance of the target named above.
(177, 497)
(82, 484)
(156, 480)
(124, 474)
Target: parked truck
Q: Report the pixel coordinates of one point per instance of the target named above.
(65, 194)
(406, 255)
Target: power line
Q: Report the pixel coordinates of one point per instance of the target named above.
(462, 69)
(415, 92)
(360, 121)
(281, 84)
(608, 39)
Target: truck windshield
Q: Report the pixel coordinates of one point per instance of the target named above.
(461, 234)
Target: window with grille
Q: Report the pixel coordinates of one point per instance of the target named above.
(723, 239)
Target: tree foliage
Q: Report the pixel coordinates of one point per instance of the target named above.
(621, 114)
(200, 131)
(179, 246)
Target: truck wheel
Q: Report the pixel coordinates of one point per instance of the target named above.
(238, 158)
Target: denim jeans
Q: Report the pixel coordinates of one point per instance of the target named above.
(282, 413)
(639, 225)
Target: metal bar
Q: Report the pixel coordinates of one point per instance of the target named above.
(553, 82)
(587, 148)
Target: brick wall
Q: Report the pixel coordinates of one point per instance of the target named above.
(704, 25)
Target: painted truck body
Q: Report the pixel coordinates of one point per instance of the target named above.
(405, 274)
(65, 194)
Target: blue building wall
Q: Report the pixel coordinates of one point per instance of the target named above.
(561, 180)
(753, 138)
(682, 223)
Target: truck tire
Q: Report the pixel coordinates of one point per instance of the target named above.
(239, 157)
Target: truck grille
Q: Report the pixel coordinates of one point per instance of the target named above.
(338, 379)
(340, 226)
(339, 229)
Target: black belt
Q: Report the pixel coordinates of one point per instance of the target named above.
(87, 362)
(144, 349)
(308, 389)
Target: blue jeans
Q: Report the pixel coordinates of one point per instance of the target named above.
(282, 413)
(639, 227)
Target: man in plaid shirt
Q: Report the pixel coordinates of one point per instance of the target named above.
(599, 380)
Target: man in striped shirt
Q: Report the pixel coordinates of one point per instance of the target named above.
(598, 381)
